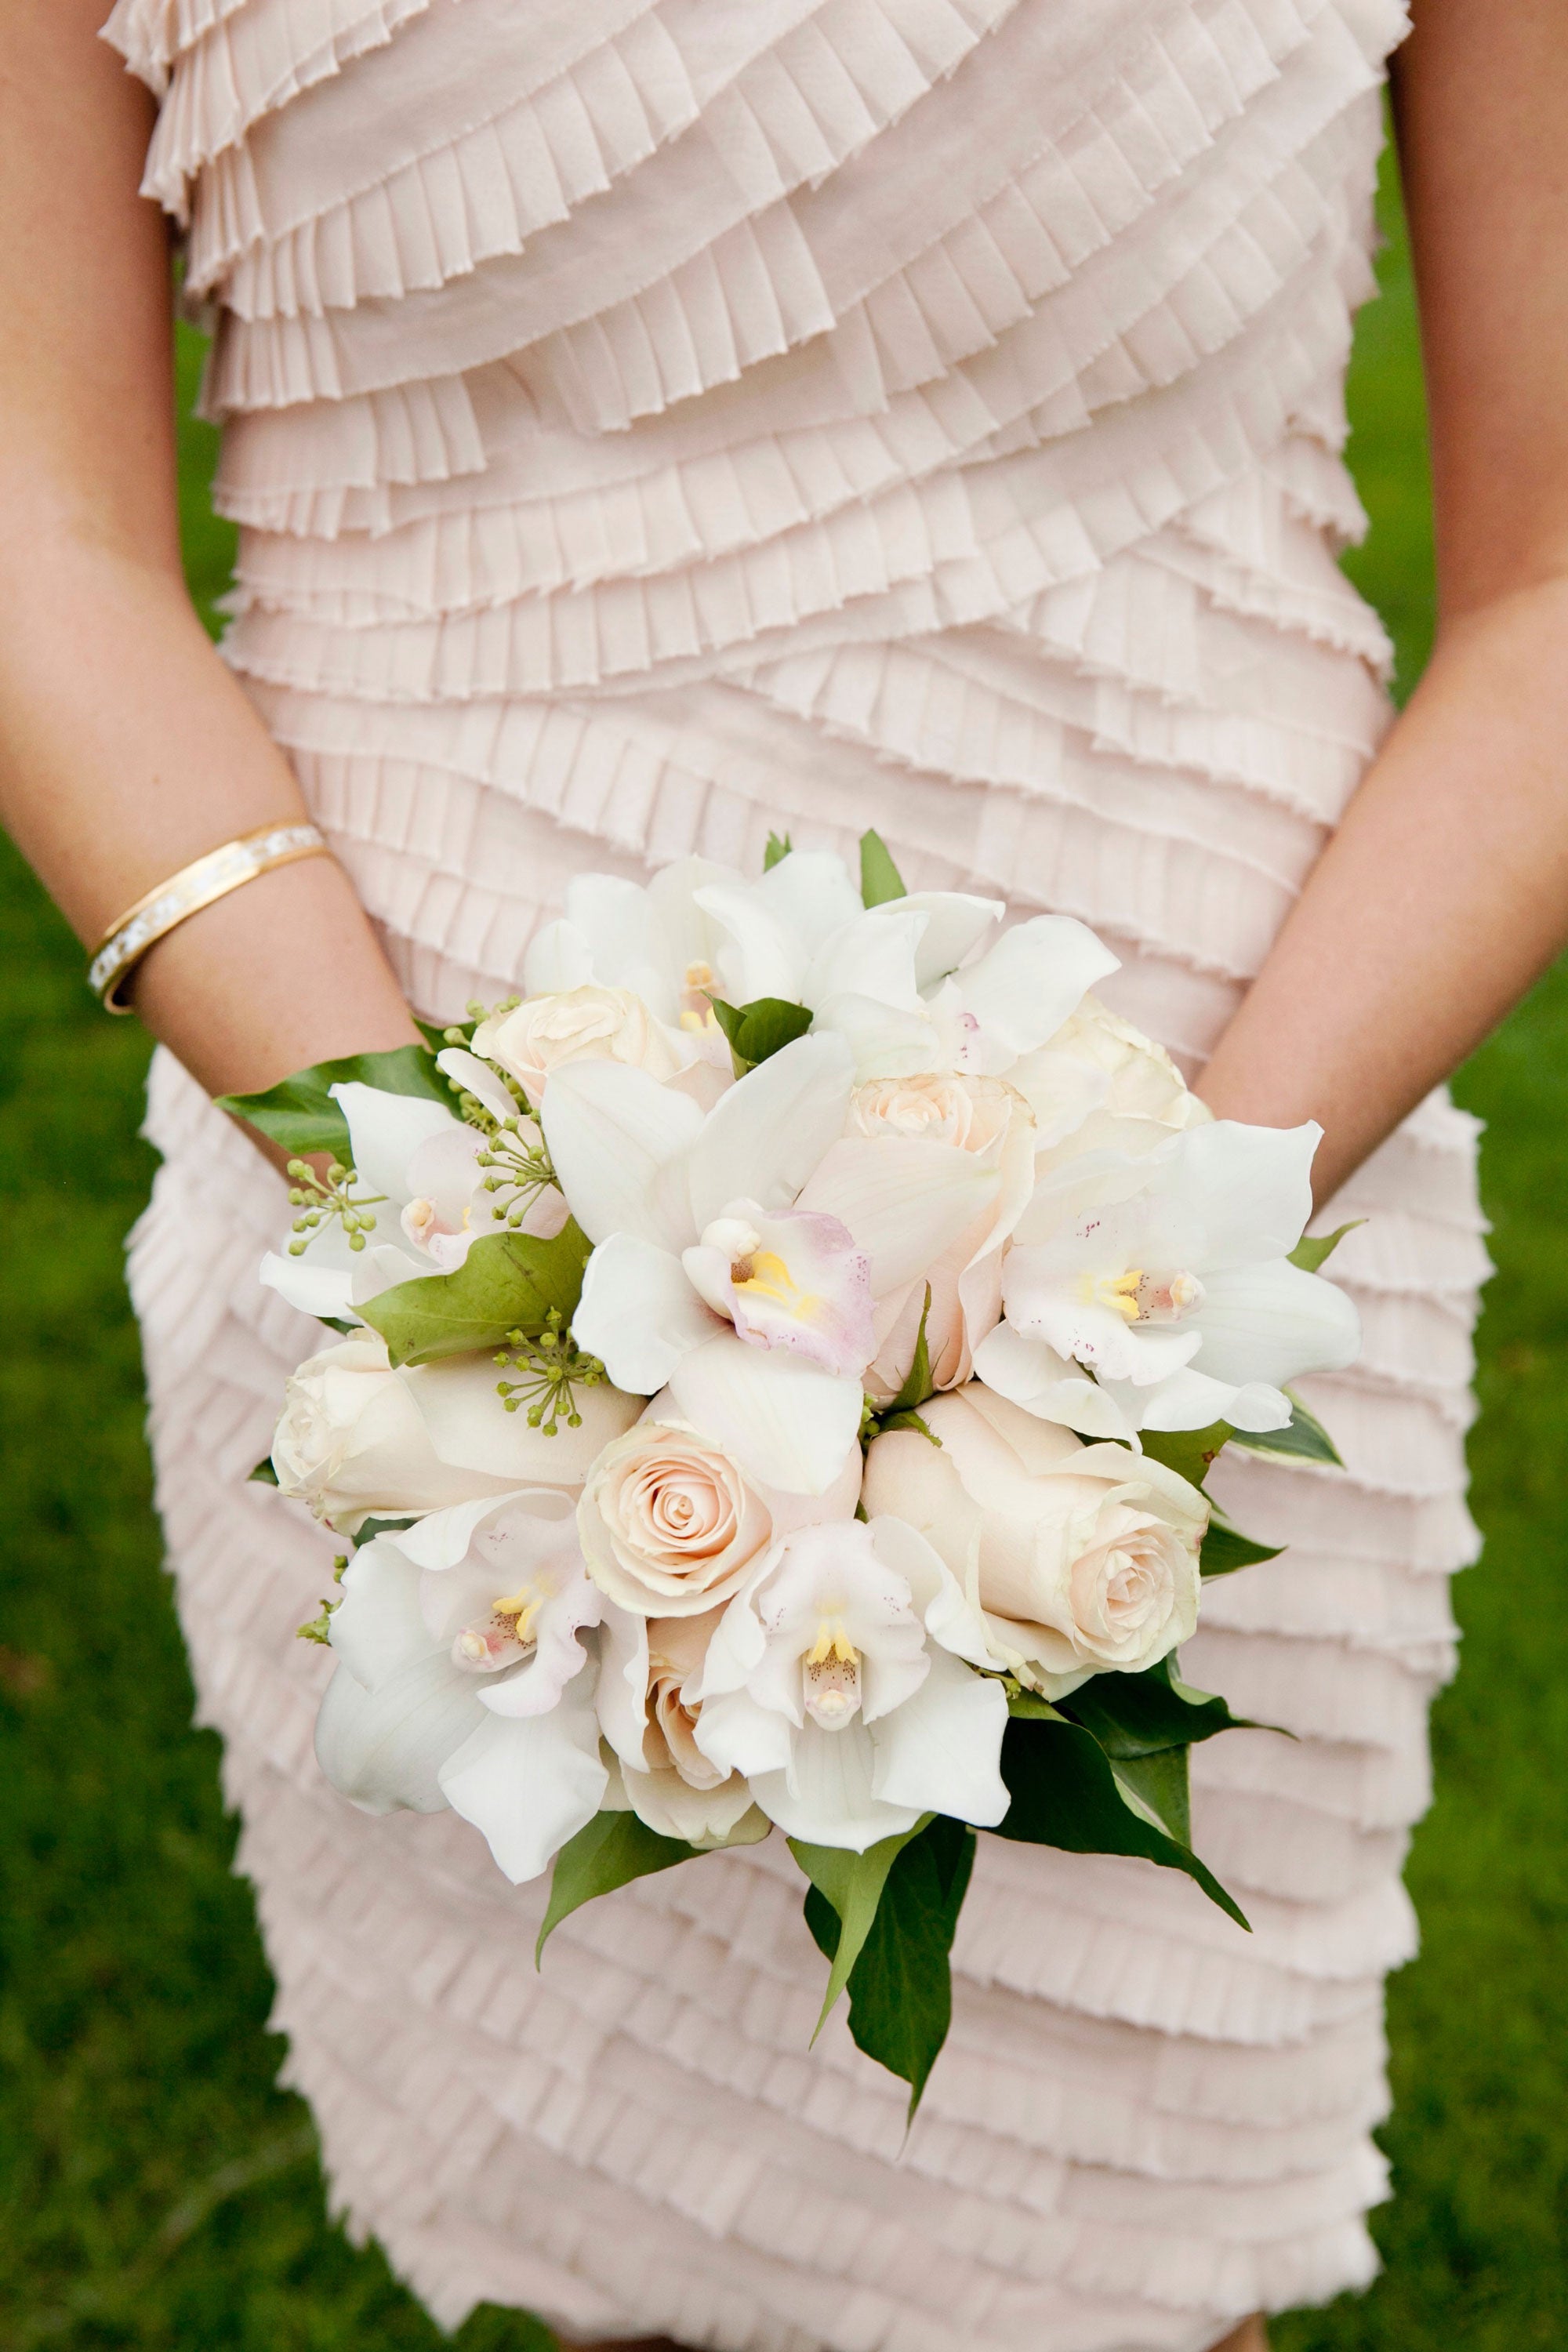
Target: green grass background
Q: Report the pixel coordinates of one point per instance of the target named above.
(159, 2191)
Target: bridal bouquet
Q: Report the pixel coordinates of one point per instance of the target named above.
(781, 1352)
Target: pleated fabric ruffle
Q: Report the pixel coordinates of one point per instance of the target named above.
(654, 422)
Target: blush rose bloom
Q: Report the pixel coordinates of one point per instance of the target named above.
(648, 1712)
(1083, 1559)
(359, 1440)
(580, 1024)
(670, 1528)
(989, 1119)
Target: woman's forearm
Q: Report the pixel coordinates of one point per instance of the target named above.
(1442, 897)
(127, 749)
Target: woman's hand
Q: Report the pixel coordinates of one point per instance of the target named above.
(127, 749)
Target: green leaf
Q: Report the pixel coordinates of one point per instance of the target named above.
(508, 1282)
(1311, 1250)
(1188, 1452)
(1303, 1437)
(780, 847)
(1066, 1794)
(919, 1387)
(1160, 1782)
(880, 877)
(760, 1029)
(900, 1986)
(299, 1114)
(1226, 1549)
(608, 1852)
(370, 1529)
(1148, 1713)
(851, 1885)
(264, 1474)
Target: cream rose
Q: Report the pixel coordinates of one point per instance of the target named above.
(1101, 1083)
(578, 1024)
(648, 1712)
(990, 1119)
(359, 1440)
(669, 1527)
(1084, 1559)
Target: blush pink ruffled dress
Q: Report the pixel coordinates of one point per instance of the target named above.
(655, 421)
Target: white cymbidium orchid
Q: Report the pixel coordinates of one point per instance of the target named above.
(1168, 1278)
(421, 1199)
(909, 983)
(697, 1241)
(655, 941)
(837, 1684)
(461, 1680)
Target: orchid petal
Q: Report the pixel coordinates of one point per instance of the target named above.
(874, 955)
(383, 1748)
(1228, 1194)
(1033, 979)
(610, 1129)
(529, 1784)
(956, 922)
(1273, 1321)
(444, 1170)
(622, 1698)
(736, 1734)
(325, 1291)
(385, 1132)
(1044, 1383)
(940, 1751)
(782, 1422)
(441, 1541)
(951, 1616)
(1191, 1400)
(762, 955)
(762, 1139)
(477, 1079)
(826, 1797)
(887, 1041)
(377, 1628)
(638, 1313)
(905, 1200)
(812, 892)
(559, 958)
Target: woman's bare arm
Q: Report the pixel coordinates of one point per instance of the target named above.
(1445, 893)
(126, 746)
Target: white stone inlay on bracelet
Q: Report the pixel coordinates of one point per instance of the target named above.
(195, 886)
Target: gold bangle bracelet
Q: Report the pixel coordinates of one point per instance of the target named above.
(195, 886)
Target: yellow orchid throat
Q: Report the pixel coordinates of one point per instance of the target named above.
(524, 1606)
(766, 1275)
(833, 1645)
(1139, 1296)
(1117, 1291)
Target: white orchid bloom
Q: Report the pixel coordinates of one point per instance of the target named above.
(836, 1683)
(421, 1199)
(417, 1176)
(655, 941)
(1168, 1277)
(698, 1242)
(461, 1680)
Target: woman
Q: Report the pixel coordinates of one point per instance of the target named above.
(653, 423)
